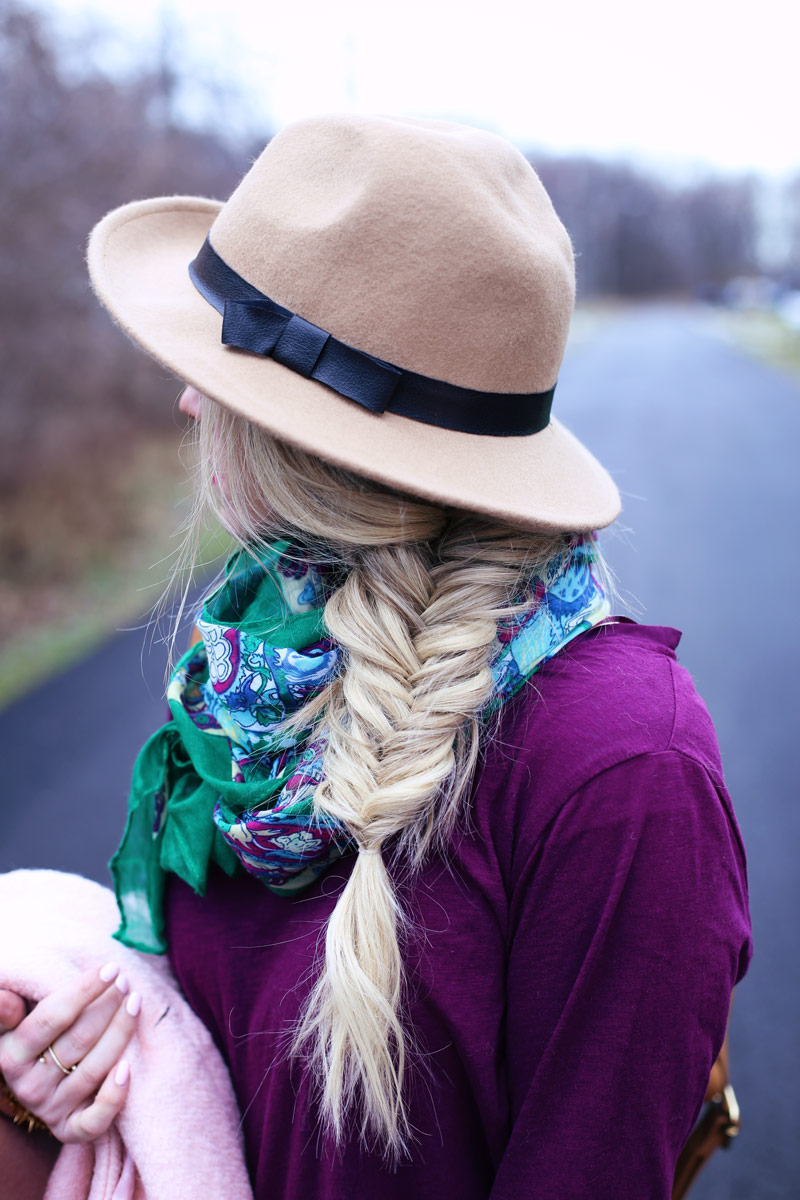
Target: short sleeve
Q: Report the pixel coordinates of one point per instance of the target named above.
(630, 927)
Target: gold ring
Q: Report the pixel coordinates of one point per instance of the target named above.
(57, 1061)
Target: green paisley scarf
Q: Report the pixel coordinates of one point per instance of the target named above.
(223, 783)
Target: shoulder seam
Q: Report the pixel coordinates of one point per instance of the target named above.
(545, 834)
(671, 664)
(621, 762)
(672, 751)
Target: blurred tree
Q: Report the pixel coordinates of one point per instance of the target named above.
(636, 236)
(791, 273)
(69, 151)
(718, 221)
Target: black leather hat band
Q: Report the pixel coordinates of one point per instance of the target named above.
(253, 322)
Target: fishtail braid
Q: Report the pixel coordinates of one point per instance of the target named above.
(415, 616)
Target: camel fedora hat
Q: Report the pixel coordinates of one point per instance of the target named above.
(392, 295)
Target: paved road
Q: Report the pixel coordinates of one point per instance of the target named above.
(702, 441)
(703, 444)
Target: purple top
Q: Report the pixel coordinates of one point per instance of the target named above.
(570, 981)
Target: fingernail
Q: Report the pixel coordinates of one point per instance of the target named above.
(122, 983)
(134, 1004)
(122, 1073)
(108, 972)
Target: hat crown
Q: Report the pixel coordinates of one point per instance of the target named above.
(428, 244)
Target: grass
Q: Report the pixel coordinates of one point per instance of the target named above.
(88, 548)
(762, 334)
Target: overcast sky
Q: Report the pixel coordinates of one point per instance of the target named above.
(683, 82)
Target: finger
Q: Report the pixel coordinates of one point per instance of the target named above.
(12, 1010)
(51, 1017)
(75, 1043)
(95, 1119)
(89, 1074)
(54, 1095)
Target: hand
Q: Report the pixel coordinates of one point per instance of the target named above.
(12, 1010)
(86, 1025)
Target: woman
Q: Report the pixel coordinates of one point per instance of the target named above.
(440, 851)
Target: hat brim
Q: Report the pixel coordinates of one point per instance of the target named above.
(138, 261)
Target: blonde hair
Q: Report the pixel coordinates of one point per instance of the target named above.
(423, 588)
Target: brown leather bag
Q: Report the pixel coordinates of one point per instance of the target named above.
(718, 1124)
